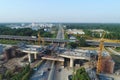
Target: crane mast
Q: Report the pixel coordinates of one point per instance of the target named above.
(40, 39)
(99, 62)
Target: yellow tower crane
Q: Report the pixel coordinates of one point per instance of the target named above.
(40, 39)
(99, 62)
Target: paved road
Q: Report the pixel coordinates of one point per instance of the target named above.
(63, 74)
(92, 74)
(113, 51)
(44, 67)
(96, 43)
(51, 74)
(60, 34)
(29, 38)
(113, 76)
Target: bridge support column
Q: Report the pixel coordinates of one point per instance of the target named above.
(35, 56)
(71, 62)
(62, 63)
(29, 57)
(52, 41)
(58, 44)
(62, 45)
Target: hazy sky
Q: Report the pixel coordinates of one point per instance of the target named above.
(104, 11)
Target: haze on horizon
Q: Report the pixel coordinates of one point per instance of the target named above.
(87, 11)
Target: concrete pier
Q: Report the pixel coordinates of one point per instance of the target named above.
(35, 56)
(71, 62)
(29, 58)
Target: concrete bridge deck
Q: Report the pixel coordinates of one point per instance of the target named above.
(29, 38)
(53, 58)
(107, 44)
(74, 57)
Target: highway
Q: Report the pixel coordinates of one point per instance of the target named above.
(60, 34)
(107, 44)
(75, 55)
(92, 74)
(59, 38)
(43, 68)
(61, 73)
(48, 75)
(29, 38)
(51, 74)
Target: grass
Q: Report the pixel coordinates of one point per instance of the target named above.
(8, 41)
(117, 49)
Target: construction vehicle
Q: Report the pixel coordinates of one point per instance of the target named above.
(40, 39)
(99, 62)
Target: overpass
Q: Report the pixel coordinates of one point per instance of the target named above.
(106, 44)
(31, 50)
(29, 38)
(56, 40)
(77, 54)
(53, 58)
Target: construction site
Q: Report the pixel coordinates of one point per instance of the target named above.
(55, 56)
(22, 55)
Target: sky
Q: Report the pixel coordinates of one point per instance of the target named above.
(76, 11)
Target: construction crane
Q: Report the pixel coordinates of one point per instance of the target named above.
(99, 62)
(40, 39)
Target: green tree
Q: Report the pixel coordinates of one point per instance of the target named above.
(72, 44)
(82, 42)
(1, 76)
(8, 74)
(81, 74)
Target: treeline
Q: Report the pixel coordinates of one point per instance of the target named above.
(108, 27)
(23, 74)
(109, 35)
(24, 32)
(80, 43)
(112, 29)
(81, 74)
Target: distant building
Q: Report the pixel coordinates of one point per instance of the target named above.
(75, 31)
(47, 29)
(97, 31)
(72, 38)
(33, 26)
